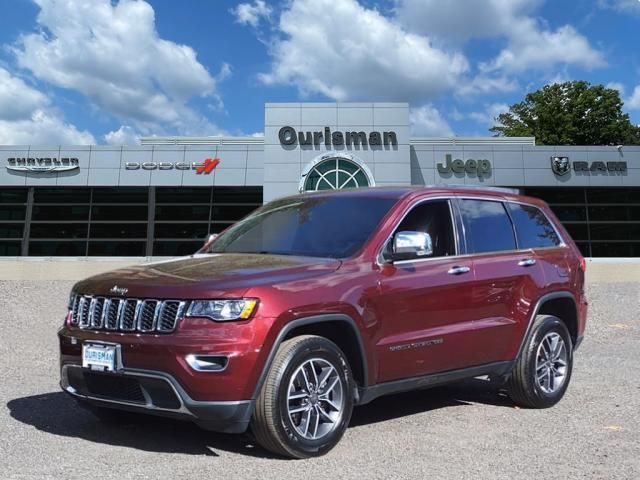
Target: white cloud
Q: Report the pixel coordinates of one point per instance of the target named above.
(125, 135)
(633, 102)
(484, 84)
(616, 86)
(459, 21)
(113, 55)
(427, 121)
(624, 6)
(17, 99)
(251, 14)
(345, 51)
(489, 115)
(26, 117)
(529, 43)
(531, 48)
(42, 128)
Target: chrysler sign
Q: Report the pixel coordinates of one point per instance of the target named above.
(42, 164)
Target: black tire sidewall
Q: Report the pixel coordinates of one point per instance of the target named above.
(326, 350)
(547, 325)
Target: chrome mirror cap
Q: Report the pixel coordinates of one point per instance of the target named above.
(408, 245)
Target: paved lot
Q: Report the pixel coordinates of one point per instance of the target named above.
(464, 431)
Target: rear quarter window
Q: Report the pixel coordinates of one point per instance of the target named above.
(533, 228)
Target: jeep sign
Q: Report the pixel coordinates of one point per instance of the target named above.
(470, 167)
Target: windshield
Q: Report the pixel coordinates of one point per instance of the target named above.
(324, 226)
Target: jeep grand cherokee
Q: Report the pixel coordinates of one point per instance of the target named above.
(316, 303)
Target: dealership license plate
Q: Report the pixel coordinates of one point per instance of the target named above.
(98, 356)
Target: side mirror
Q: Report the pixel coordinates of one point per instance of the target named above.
(410, 245)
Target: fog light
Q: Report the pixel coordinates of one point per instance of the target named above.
(207, 363)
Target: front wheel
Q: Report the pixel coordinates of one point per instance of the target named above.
(541, 374)
(305, 403)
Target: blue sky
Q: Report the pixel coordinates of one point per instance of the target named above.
(100, 71)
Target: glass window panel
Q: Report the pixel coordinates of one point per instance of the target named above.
(237, 195)
(487, 226)
(584, 248)
(61, 195)
(570, 214)
(60, 212)
(578, 231)
(183, 195)
(611, 249)
(13, 195)
(15, 212)
(58, 230)
(218, 227)
(57, 249)
(533, 227)
(174, 249)
(613, 213)
(182, 212)
(557, 195)
(10, 249)
(11, 230)
(118, 230)
(615, 231)
(231, 213)
(434, 218)
(181, 230)
(120, 195)
(117, 249)
(119, 212)
(613, 195)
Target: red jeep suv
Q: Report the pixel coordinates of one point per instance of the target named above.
(316, 303)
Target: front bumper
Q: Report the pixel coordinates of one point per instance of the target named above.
(155, 393)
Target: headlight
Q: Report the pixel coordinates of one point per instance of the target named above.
(223, 310)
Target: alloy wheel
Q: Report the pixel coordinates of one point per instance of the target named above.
(315, 399)
(551, 363)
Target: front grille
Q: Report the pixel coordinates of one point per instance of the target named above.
(126, 314)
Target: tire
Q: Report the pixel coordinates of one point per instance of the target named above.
(278, 422)
(542, 373)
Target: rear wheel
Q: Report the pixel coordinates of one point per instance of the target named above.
(305, 404)
(541, 375)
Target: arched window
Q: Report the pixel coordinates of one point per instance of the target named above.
(335, 173)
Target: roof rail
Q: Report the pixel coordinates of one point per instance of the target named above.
(475, 187)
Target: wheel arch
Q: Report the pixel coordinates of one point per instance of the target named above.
(560, 304)
(341, 329)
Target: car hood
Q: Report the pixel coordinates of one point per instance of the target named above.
(205, 275)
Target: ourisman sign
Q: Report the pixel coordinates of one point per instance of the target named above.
(288, 136)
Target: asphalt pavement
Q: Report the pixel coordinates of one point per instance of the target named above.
(466, 431)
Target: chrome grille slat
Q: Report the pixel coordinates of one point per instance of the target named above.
(126, 314)
(97, 312)
(76, 305)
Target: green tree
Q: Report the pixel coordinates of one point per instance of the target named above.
(570, 113)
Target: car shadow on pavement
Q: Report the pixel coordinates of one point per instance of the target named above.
(59, 414)
(461, 393)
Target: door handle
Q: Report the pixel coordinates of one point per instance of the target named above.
(527, 262)
(458, 270)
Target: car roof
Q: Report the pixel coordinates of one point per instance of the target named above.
(399, 192)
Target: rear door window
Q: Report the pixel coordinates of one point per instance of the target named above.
(533, 228)
(487, 226)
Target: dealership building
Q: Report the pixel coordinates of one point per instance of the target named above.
(164, 197)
